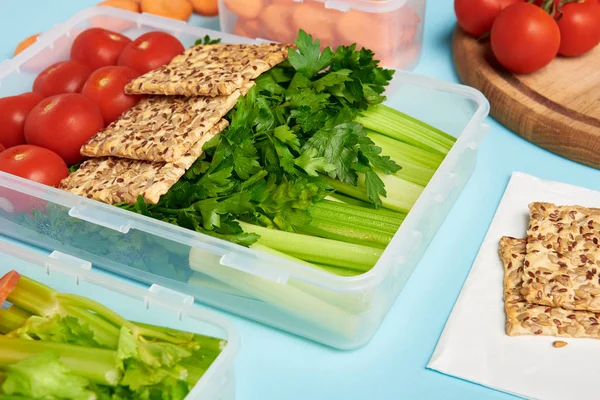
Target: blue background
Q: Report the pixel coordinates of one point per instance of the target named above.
(275, 365)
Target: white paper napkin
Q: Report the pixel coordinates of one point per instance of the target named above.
(474, 345)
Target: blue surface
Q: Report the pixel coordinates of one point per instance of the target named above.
(275, 365)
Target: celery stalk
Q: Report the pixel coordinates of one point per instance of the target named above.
(380, 219)
(314, 249)
(348, 233)
(397, 125)
(9, 321)
(401, 194)
(97, 365)
(418, 166)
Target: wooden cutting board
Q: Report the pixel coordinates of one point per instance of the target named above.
(557, 108)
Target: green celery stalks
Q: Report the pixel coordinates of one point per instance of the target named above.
(97, 365)
(381, 219)
(401, 195)
(347, 233)
(9, 321)
(410, 158)
(352, 224)
(285, 297)
(395, 124)
(315, 249)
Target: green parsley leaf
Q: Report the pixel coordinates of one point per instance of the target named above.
(207, 40)
(309, 60)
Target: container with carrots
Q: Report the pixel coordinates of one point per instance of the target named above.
(393, 29)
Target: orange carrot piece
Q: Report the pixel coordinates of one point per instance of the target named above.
(175, 9)
(276, 23)
(245, 8)
(129, 5)
(25, 43)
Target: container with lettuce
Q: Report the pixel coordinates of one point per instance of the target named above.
(64, 346)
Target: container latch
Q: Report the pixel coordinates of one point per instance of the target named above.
(167, 298)
(100, 218)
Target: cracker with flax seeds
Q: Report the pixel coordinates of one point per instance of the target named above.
(523, 318)
(562, 264)
(115, 180)
(161, 128)
(210, 70)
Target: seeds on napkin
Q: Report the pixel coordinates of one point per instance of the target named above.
(161, 128)
(561, 267)
(523, 318)
(114, 180)
(210, 70)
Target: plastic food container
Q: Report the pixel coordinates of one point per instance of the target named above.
(393, 29)
(343, 312)
(155, 305)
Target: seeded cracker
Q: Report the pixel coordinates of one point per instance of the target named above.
(114, 180)
(161, 128)
(210, 70)
(523, 318)
(562, 264)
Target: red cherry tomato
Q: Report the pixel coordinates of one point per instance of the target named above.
(477, 16)
(62, 77)
(579, 27)
(34, 163)
(150, 51)
(7, 283)
(13, 111)
(97, 47)
(63, 123)
(106, 88)
(524, 38)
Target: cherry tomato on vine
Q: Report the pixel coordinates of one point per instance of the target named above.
(477, 16)
(525, 38)
(579, 27)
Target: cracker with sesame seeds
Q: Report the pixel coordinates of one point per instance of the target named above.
(562, 264)
(114, 180)
(161, 128)
(210, 70)
(523, 318)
